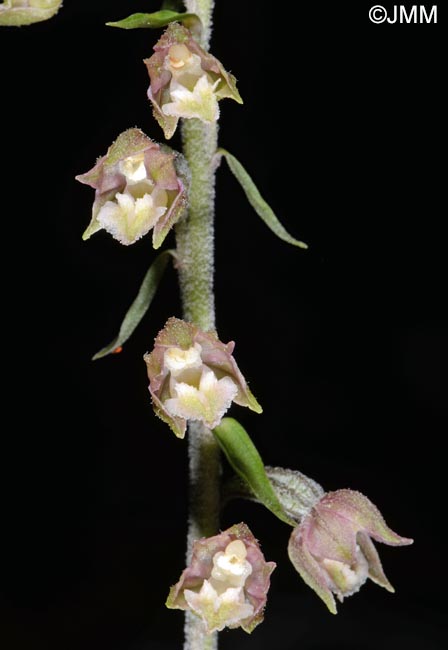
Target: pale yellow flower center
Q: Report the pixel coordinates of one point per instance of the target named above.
(196, 392)
(230, 568)
(176, 360)
(222, 601)
(133, 212)
(192, 89)
(179, 55)
(133, 167)
(347, 579)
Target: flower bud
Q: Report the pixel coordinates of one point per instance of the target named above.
(226, 583)
(296, 492)
(137, 189)
(332, 548)
(26, 12)
(193, 376)
(186, 81)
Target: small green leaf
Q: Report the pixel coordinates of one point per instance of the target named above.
(243, 456)
(159, 19)
(257, 201)
(140, 305)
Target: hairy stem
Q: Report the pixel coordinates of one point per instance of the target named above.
(195, 249)
(204, 9)
(195, 246)
(195, 235)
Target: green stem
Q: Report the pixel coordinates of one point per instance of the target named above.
(204, 9)
(195, 235)
(195, 250)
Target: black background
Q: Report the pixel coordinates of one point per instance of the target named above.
(345, 345)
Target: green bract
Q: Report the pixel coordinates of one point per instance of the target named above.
(258, 203)
(159, 19)
(140, 304)
(246, 461)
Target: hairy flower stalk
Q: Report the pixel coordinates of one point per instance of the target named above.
(195, 248)
(195, 245)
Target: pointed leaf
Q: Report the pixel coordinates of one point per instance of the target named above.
(159, 19)
(140, 305)
(258, 203)
(243, 456)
